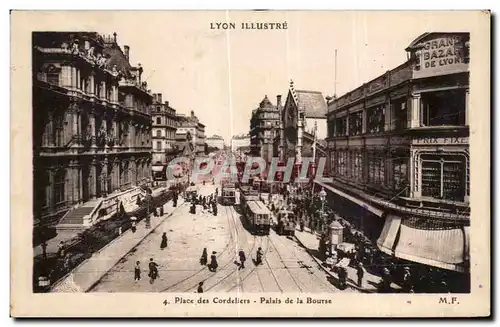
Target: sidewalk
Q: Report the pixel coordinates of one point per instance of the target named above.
(89, 272)
(311, 242)
(64, 236)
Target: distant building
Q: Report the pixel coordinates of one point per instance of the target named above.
(191, 124)
(240, 143)
(215, 141)
(264, 125)
(302, 123)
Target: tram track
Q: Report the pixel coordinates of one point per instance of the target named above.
(239, 230)
(199, 275)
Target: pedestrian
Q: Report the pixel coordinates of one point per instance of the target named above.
(343, 277)
(204, 257)
(243, 258)
(134, 228)
(137, 271)
(407, 284)
(360, 270)
(120, 230)
(213, 262)
(164, 241)
(200, 287)
(60, 249)
(386, 280)
(301, 225)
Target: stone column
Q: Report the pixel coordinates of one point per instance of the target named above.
(66, 76)
(93, 180)
(104, 177)
(92, 84)
(68, 185)
(415, 111)
(80, 184)
(467, 106)
(92, 128)
(133, 170)
(49, 189)
(117, 175)
(76, 182)
(74, 83)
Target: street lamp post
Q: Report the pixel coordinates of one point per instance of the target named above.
(322, 197)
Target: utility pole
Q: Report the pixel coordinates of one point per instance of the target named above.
(335, 76)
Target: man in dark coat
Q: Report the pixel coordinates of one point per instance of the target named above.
(242, 259)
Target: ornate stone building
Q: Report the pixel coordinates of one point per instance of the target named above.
(399, 151)
(264, 125)
(91, 122)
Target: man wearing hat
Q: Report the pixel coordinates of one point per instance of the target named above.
(360, 272)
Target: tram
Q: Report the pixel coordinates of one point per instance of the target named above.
(259, 217)
(228, 194)
(245, 198)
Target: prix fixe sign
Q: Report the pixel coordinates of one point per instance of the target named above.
(429, 140)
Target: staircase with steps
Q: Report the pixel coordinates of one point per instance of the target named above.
(73, 219)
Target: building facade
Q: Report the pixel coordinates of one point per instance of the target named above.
(191, 126)
(264, 125)
(91, 121)
(399, 149)
(164, 127)
(215, 141)
(240, 143)
(302, 127)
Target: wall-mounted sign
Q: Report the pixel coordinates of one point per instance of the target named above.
(439, 54)
(431, 140)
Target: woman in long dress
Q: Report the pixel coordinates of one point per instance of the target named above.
(213, 262)
(204, 257)
(164, 241)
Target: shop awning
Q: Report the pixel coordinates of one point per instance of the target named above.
(444, 248)
(157, 168)
(360, 202)
(388, 235)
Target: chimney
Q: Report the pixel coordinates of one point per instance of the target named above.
(166, 104)
(192, 113)
(126, 50)
(278, 100)
(159, 98)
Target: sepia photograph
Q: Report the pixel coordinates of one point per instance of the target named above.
(250, 163)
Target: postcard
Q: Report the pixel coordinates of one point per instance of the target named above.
(250, 163)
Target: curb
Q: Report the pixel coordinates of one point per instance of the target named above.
(128, 252)
(333, 275)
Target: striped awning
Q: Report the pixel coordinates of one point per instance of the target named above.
(445, 247)
(387, 238)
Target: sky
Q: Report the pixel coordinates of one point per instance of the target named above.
(224, 74)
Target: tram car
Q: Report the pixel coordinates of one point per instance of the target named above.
(191, 193)
(286, 223)
(259, 217)
(245, 198)
(228, 194)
